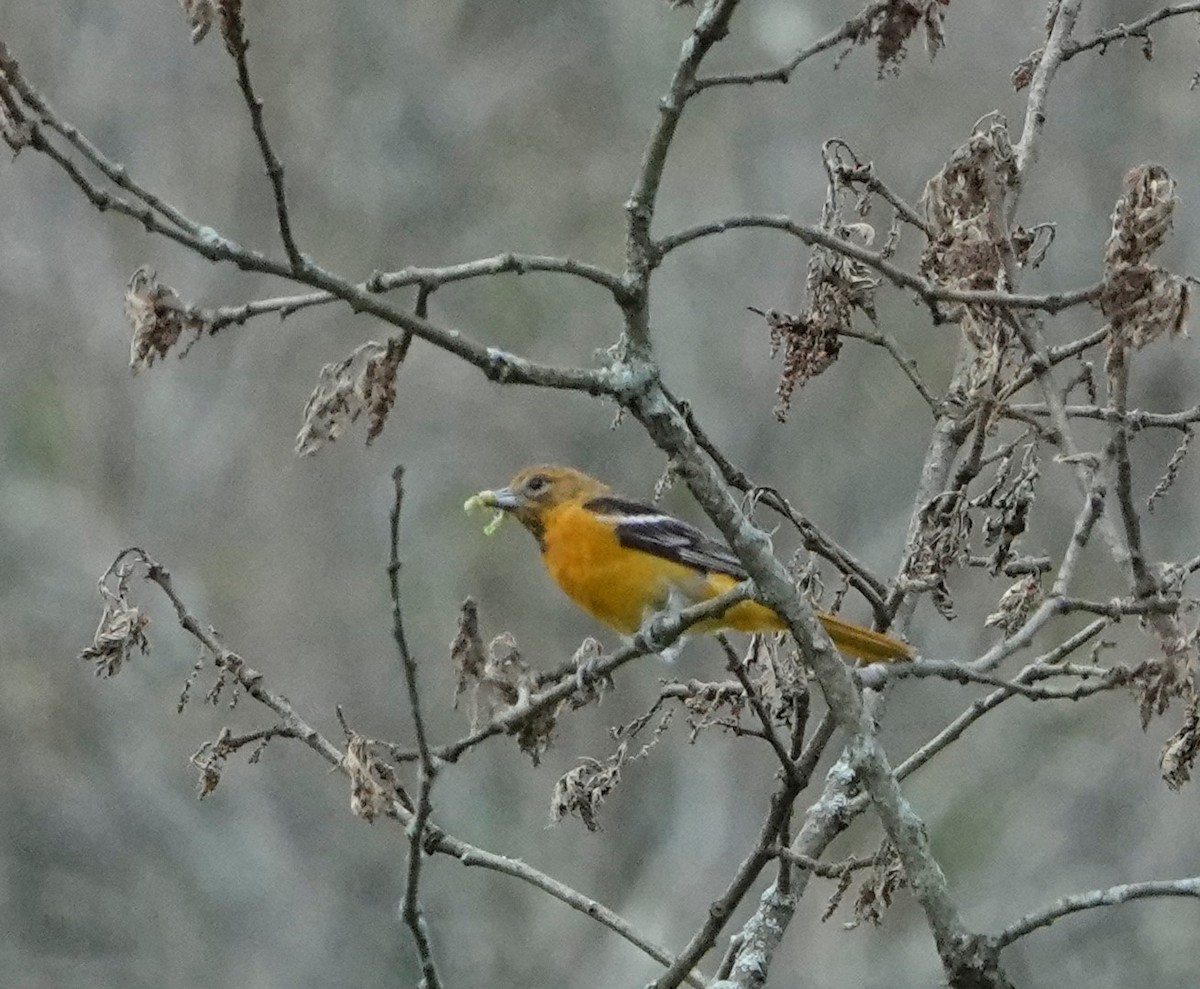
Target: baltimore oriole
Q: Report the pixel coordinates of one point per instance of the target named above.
(623, 561)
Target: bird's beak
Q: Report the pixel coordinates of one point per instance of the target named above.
(502, 498)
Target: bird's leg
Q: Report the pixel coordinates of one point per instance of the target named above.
(651, 631)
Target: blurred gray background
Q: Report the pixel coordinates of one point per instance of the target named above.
(435, 132)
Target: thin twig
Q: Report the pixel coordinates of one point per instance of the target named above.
(1135, 419)
(733, 663)
(1056, 355)
(783, 73)
(906, 363)
(233, 29)
(720, 909)
(930, 292)
(826, 870)
(410, 908)
(983, 705)
(1025, 153)
(432, 277)
(1096, 898)
(712, 24)
(1096, 679)
(1122, 32)
(117, 174)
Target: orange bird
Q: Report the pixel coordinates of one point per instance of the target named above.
(623, 561)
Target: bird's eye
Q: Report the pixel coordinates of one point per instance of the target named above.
(537, 483)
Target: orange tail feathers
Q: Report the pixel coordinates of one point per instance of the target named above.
(852, 640)
(862, 643)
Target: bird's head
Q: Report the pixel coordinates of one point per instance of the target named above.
(537, 490)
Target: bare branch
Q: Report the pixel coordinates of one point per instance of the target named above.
(117, 174)
(783, 74)
(1097, 679)
(720, 909)
(1096, 898)
(233, 28)
(826, 870)
(711, 26)
(815, 541)
(1135, 419)
(906, 363)
(1123, 32)
(410, 908)
(983, 705)
(930, 292)
(1063, 15)
(429, 278)
(496, 364)
(474, 857)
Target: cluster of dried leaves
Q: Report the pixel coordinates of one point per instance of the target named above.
(497, 681)
(835, 286)
(942, 541)
(1162, 679)
(809, 341)
(363, 382)
(878, 890)
(581, 791)
(891, 27)
(964, 207)
(159, 318)
(1142, 301)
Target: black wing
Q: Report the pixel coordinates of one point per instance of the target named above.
(644, 527)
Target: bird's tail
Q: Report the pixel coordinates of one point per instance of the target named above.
(862, 643)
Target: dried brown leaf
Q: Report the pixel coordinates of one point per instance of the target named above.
(363, 382)
(1016, 604)
(1008, 502)
(497, 681)
(1179, 755)
(892, 26)
(581, 791)
(879, 889)
(964, 206)
(941, 544)
(158, 318)
(1141, 300)
(1022, 75)
(122, 627)
(202, 15)
(368, 798)
(810, 343)
(466, 651)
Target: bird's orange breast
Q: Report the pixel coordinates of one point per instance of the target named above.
(616, 585)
